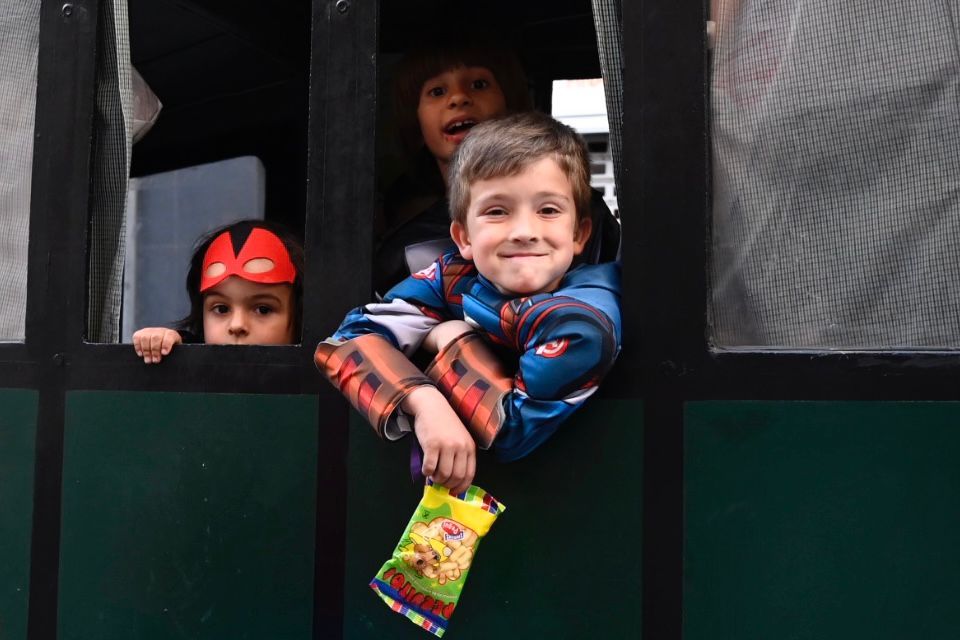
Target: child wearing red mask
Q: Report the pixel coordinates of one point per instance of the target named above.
(245, 284)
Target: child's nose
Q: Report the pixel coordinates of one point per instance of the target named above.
(459, 95)
(238, 323)
(523, 228)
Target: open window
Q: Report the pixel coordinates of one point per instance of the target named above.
(533, 47)
(230, 142)
(582, 105)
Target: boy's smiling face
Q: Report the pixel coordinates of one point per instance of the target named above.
(521, 231)
(451, 103)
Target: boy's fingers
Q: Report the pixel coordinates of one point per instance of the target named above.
(459, 473)
(444, 468)
(429, 462)
(471, 469)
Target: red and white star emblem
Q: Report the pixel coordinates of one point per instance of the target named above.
(553, 349)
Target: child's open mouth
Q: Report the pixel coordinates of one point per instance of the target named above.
(458, 128)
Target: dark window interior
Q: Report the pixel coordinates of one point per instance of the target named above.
(233, 79)
(597, 146)
(233, 75)
(552, 40)
(555, 39)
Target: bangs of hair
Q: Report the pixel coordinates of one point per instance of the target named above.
(420, 65)
(506, 146)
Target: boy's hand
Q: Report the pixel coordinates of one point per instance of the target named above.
(445, 333)
(449, 454)
(152, 343)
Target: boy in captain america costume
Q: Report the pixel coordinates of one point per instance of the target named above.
(520, 201)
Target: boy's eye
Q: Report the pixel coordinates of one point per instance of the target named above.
(480, 83)
(435, 92)
(495, 213)
(549, 210)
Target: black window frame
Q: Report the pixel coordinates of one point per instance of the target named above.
(55, 359)
(665, 200)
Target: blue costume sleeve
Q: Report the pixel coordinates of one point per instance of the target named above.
(362, 359)
(567, 341)
(407, 314)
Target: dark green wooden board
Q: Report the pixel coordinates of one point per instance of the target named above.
(563, 561)
(188, 515)
(822, 520)
(18, 433)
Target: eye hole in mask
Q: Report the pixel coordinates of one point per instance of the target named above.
(215, 269)
(258, 265)
(262, 257)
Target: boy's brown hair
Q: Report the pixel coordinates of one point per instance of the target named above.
(506, 146)
(420, 65)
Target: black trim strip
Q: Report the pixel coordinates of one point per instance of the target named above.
(340, 207)
(664, 206)
(57, 267)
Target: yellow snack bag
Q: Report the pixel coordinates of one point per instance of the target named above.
(424, 578)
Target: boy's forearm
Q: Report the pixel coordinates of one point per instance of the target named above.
(373, 375)
(420, 400)
(445, 333)
(475, 383)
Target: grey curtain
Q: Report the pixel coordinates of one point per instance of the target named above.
(110, 172)
(836, 147)
(19, 34)
(607, 22)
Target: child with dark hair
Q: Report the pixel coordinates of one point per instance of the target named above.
(492, 77)
(245, 285)
(440, 93)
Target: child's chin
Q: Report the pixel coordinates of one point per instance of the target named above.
(518, 289)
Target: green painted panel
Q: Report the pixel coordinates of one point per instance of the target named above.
(562, 562)
(18, 433)
(822, 520)
(188, 516)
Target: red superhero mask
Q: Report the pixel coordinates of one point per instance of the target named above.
(263, 258)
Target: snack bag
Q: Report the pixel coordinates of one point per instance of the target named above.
(425, 576)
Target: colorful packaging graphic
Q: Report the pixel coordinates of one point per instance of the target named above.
(425, 576)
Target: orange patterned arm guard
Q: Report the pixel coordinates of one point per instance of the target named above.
(373, 375)
(474, 382)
